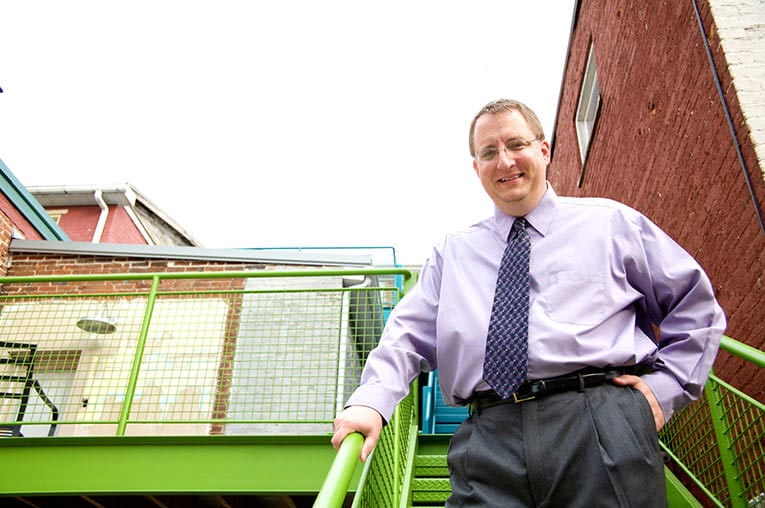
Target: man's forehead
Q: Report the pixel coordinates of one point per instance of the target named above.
(507, 124)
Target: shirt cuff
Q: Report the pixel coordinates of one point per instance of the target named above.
(375, 397)
(668, 392)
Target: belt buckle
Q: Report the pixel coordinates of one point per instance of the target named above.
(517, 400)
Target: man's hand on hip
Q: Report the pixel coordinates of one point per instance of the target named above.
(640, 385)
(361, 419)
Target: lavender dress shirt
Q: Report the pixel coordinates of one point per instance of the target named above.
(601, 274)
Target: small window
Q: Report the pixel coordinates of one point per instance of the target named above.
(56, 214)
(588, 108)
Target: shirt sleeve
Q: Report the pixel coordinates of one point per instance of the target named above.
(407, 345)
(679, 300)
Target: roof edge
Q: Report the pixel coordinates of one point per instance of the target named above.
(28, 206)
(185, 253)
(119, 194)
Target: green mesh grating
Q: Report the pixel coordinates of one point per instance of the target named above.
(196, 355)
(720, 442)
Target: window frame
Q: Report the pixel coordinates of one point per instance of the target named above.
(587, 110)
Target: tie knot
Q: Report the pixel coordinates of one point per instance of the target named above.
(519, 227)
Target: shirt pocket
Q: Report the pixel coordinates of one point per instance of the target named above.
(575, 297)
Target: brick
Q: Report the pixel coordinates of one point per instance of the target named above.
(662, 143)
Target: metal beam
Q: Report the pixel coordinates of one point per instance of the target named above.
(212, 465)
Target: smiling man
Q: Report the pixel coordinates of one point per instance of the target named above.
(510, 157)
(542, 319)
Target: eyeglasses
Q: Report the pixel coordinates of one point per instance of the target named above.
(489, 153)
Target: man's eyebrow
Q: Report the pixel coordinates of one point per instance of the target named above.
(512, 138)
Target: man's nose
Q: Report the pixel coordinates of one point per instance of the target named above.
(505, 158)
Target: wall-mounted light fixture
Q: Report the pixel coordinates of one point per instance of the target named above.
(100, 322)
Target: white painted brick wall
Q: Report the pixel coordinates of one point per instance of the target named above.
(741, 27)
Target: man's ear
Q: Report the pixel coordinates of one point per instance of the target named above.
(546, 150)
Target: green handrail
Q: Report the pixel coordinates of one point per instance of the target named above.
(744, 351)
(324, 272)
(335, 486)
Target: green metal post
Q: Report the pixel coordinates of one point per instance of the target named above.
(410, 279)
(135, 369)
(725, 446)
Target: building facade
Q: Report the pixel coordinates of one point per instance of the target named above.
(651, 113)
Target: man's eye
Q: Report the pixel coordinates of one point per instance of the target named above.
(488, 154)
(516, 146)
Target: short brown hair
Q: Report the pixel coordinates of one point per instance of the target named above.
(503, 106)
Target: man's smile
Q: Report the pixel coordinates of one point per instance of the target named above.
(510, 178)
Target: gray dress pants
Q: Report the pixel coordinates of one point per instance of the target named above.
(595, 448)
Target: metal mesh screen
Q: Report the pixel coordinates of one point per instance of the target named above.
(171, 356)
(719, 440)
(387, 470)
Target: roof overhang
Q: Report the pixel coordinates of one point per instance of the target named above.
(275, 257)
(64, 195)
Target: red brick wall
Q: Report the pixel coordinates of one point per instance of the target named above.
(6, 234)
(662, 145)
(120, 228)
(25, 264)
(79, 222)
(17, 219)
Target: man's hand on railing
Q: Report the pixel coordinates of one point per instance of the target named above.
(361, 419)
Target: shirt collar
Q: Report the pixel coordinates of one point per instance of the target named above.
(539, 218)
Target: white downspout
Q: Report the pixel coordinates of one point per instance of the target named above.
(101, 218)
(139, 225)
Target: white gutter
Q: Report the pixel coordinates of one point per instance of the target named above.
(99, 197)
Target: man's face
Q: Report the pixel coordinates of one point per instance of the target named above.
(510, 162)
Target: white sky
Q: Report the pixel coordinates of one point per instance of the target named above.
(278, 123)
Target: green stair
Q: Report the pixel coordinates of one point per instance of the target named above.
(430, 486)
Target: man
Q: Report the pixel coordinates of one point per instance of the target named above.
(597, 381)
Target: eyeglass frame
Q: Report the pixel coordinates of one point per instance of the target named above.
(519, 145)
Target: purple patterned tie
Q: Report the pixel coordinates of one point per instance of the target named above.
(504, 366)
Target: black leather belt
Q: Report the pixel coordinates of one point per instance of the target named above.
(530, 390)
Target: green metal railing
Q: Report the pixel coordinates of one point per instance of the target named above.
(718, 442)
(388, 470)
(219, 353)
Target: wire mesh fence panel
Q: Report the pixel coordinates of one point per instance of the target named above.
(384, 484)
(285, 369)
(690, 436)
(379, 488)
(191, 356)
(718, 440)
(77, 362)
(744, 426)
